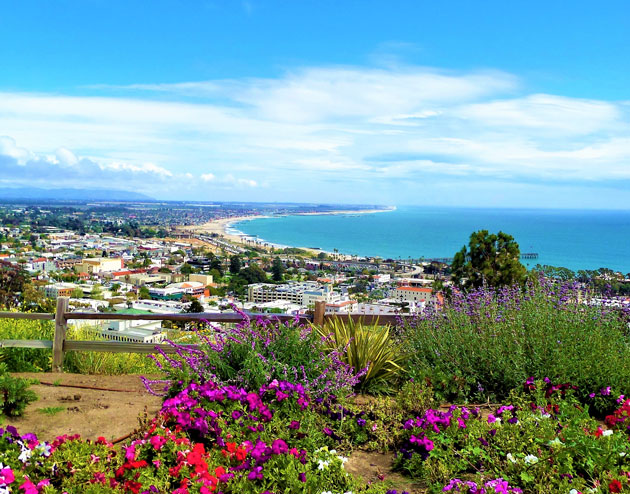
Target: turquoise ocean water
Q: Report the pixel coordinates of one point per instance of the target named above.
(570, 238)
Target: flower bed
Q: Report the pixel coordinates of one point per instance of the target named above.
(265, 408)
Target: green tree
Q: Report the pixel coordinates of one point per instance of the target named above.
(194, 307)
(143, 293)
(12, 281)
(77, 293)
(96, 293)
(235, 264)
(277, 270)
(186, 268)
(493, 259)
(253, 274)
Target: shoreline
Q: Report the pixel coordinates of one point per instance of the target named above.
(223, 226)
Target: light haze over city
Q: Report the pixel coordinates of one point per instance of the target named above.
(427, 103)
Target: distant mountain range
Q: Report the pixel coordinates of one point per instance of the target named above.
(32, 194)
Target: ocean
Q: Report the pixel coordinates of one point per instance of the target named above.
(574, 239)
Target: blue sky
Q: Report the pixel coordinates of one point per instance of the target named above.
(395, 102)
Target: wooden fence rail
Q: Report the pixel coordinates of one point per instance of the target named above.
(60, 344)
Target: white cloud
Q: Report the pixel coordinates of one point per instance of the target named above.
(337, 126)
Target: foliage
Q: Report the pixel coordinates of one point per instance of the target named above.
(26, 359)
(235, 264)
(253, 274)
(14, 393)
(39, 360)
(490, 259)
(543, 442)
(111, 364)
(483, 344)
(367, 347)
(13, 279)
(256, 352)
(206, 439)
(277, 270)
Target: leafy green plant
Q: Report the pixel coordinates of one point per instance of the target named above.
(51, 410)
(368, 347)
(485, 343)
(14, 394)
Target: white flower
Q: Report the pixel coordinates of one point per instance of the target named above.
(511, 458)
(607, 432)
(531, 459)
(573, 491)
(622, 454)
(4, 490)
(322, 464)
(44, 450)
(333, 451)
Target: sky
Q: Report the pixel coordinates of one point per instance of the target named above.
(449, 103)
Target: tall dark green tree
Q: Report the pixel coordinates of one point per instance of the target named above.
(235, 264)
(493, 259)
(254, 274)
(277, 270)
(13, 280)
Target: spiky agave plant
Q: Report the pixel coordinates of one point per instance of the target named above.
(367, 347)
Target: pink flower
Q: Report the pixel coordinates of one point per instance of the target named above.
(28, 487)
(6, 476)
(157, 442)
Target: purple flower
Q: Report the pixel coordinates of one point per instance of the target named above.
(294, 425)
(256, 473)
(361, 422)
(302, 477)
(279, 447)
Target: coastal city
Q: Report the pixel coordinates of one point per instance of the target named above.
(131, 258)
(314, 247)
(140, 260)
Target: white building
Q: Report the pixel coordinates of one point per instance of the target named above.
(301, 293)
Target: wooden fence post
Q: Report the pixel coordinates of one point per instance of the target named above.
(318, 315)
(61, 325)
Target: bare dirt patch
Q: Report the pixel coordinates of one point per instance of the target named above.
(376, 467)
(73, 409)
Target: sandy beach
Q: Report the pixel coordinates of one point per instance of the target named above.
(221, 227)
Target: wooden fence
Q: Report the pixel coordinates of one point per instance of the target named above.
(60, 344)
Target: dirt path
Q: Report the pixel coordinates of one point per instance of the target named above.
(62, 409)
(375, 467)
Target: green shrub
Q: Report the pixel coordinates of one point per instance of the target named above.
(486, 343)
(367, 347)
(14, 393)
(255, 353)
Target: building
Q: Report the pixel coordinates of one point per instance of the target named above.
(417, 295)
(99, 265)
(176, 291)
(302, 293)
(206, 279)
(57, 290)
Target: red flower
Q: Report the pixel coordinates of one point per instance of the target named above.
(615, 486)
